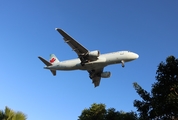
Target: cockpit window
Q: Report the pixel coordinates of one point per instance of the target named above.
(121, 53)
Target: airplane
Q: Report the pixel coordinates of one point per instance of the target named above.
(91, 61)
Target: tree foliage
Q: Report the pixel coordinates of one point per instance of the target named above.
(9, 114)
(99, 112)
(162, 102)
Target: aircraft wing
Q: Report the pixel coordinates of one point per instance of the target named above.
(95, 76)
(96, 81)
(77, 47)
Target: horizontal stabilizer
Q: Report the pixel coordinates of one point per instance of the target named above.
(53, 72)
(45, 61)
(48, 64)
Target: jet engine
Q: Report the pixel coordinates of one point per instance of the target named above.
(95, 53)
(105, 74)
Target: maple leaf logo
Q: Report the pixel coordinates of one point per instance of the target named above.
(52, 60)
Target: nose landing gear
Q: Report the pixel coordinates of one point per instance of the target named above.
(122, 62)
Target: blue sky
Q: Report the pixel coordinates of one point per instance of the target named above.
(27, 30)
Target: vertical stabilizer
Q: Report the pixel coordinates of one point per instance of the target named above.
(49, 63)
(53, 59)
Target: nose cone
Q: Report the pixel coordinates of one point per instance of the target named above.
(134, 56)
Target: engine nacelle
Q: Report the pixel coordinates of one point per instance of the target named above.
(105, 74)
(95, 53)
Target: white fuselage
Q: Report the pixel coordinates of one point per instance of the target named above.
(102, 61)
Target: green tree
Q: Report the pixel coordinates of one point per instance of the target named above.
(9, 114)
(162, 102)
(95, 112)
(2, 115)
(99, 112)
(120, 115)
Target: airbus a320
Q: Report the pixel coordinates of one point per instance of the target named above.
(91, 61)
